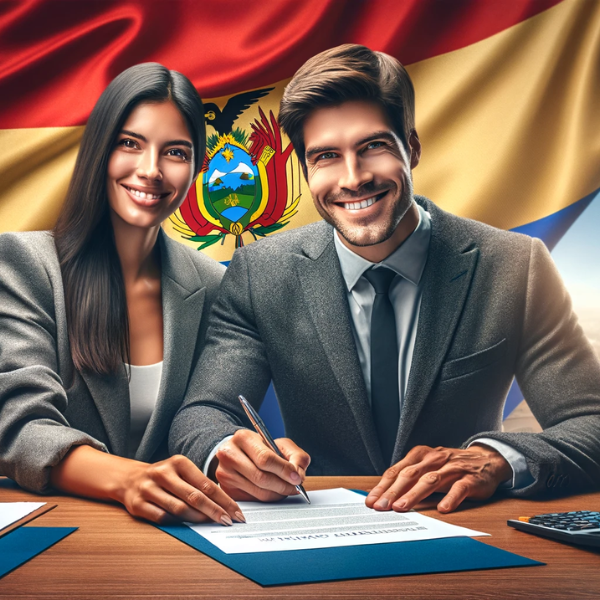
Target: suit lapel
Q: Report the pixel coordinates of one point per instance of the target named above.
(111, 396)
(324, 292)
(446, 281)
(183, 301)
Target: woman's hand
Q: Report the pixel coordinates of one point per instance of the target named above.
(176, 488)
(171, 490)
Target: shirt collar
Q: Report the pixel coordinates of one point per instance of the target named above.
(408, 260)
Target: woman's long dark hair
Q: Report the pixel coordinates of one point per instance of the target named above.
(95, 300)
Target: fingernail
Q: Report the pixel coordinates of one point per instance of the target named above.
(239, 517)
(382, 503)
(226, 520)
(296, 479)
(400, 505)
(444, 506)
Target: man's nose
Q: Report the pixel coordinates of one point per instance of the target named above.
(354, 174)
(148, 166)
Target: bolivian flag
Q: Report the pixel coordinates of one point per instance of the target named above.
(508, 103)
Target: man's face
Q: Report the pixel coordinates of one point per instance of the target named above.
(358, 171)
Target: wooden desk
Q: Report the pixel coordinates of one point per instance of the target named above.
(114, 556)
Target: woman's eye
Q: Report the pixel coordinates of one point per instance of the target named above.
(128, 143)
(179, 153)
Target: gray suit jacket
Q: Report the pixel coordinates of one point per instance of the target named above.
(46, 406)
(493, 307)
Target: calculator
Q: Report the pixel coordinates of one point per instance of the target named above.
(581, 527)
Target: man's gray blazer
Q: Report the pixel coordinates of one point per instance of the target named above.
(46, 406)
(493, 307)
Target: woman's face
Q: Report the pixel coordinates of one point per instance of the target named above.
(151, 166)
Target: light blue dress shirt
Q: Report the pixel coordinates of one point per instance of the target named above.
(408, 262)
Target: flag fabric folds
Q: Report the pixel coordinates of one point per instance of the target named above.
(506, 92)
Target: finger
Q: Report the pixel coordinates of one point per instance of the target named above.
(237, 470)
(240, 488)
(459, 491)
(409, 476)
(198, 501)
(391, 474)
(150, 512)
(427, 484)
(295, 455)
(238, 494)
(176, 507)
(274, 468)
(200, 483)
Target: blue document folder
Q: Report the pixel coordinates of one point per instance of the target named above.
(22, 544)
(356, 562)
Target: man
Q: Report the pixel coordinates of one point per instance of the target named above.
(392, 330)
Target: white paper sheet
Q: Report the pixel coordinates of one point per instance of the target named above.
(13, 511)
(334, 518)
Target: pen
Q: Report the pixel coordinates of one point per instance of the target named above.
(261, 429)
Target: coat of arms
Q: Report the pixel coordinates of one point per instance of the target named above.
(243, 185)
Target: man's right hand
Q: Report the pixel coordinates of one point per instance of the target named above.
(249, 470)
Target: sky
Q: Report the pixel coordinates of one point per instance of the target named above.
(577, 257)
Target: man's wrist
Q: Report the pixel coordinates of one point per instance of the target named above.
(208, 467)
(503, 470)
(522, 476)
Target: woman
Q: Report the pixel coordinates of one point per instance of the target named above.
(88, 314)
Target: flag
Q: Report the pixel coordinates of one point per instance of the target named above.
(506, 104)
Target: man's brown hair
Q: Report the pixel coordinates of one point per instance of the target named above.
(348, 72)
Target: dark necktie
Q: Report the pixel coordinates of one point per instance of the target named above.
(385, 396)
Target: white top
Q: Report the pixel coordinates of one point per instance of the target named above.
(144, 383)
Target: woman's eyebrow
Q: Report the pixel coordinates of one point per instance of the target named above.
(139, 136)
(180, 143)
(133, 134)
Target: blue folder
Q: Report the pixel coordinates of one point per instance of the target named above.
(356, 562)
(22, 544)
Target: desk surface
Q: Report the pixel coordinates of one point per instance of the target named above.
(113, 555)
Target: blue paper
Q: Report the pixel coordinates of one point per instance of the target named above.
(356, 562)
(22, 544)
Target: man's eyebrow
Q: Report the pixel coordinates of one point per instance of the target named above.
(378, 135)
(139, 136)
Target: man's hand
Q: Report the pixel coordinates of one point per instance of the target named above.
(473, 473)
(250, 470)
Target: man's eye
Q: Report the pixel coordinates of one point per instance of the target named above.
(374, 145)
(326, 156)
(179, 153)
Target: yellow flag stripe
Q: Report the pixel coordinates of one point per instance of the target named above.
(510, 126)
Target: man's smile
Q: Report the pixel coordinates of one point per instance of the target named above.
(365, 203)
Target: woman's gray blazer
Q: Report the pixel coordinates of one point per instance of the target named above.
(46, 406)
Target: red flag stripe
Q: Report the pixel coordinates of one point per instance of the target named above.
(56, 56)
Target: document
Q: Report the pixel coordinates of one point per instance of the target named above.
(334, 518)
(11, 512)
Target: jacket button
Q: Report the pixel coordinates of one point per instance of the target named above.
(565, 482)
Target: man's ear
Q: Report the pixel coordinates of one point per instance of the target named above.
(415, 148)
